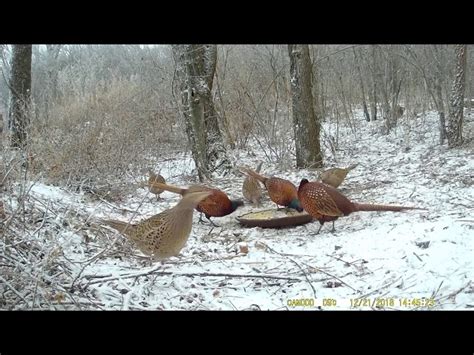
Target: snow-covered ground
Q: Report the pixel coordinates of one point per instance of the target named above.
(411, 260)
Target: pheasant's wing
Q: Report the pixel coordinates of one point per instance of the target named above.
(150, 227)
(212, 203)
(210, 206)
(277, 195)
(154, 220)
(198, 188)
(324, 203)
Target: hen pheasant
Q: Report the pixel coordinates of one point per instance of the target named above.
(152, 179)
(326, 203)
(217, 204)
(281, 191)
(251, 188)
(335, 176)
(165, 234)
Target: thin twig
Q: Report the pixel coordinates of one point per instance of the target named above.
(434, 294)
(195, 274)
(95, 257)
(112, 205)
(451, 295)
(13, 289)
(417, 256)
(381, 288)
(298, 265)
(344, 261)
(335, 277)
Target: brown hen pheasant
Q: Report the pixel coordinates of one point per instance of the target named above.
(152, 178)
(281, 191)
(326, 203)
(335, 176)
(217, 204)
(165, 234)
(251, 188)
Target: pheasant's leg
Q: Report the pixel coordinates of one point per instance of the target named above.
(200, 217)
(333, 229)
(209, 219)
(321, 226)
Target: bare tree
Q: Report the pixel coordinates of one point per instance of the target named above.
(220, 82)
(430, 62)
(20, 88)
(52, 71)
(362, 86)
(196, 66)
(305, 122)
(456, 103)
(373, 95)
(389, 83)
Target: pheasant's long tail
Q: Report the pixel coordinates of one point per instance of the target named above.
(371, 207)
(168, 187)
(252, 173)
(122, 227)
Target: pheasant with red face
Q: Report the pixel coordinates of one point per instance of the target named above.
(217, 204)
(326, 204)
(281, 191)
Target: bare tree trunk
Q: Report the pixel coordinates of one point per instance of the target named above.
(342, 96)
(433, 85)
(20, 88)
(457, 98)
(383, 82)
(373, 99)
(362, 88)
(318, 93)
(305, 122)
(440, 107)
(395, 87)
(53, 51)
(196, 65)
(225, 124)
(52, 72)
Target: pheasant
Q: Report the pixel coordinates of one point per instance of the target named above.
(165, 234)
(251, 188)
(281, 191)
(327, 204)
(155, 178)
(335, 176)
(217, 204)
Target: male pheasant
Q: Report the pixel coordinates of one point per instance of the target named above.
(281, 191)
(326, 203)
(165, 234)
(217, 204)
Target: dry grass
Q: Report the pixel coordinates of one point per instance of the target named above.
(99, 138)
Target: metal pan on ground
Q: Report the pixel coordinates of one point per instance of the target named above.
(274, 218)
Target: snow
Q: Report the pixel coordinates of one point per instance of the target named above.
(395, 256)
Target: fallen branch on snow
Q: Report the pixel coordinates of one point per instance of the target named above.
(155, 271)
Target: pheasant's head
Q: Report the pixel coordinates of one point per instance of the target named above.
(236, 204)
(302, 183)
(295, 204)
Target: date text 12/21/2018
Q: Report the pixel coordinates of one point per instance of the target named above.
(355, 303)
